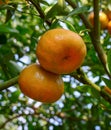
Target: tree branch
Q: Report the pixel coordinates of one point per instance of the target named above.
(96, 29)
(22, 115)
(94, 33)
(9, 120)
(81, 15)
(8, 83)
(95, 36)
(82, 77)
(40, 11)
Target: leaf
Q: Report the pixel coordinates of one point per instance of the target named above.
(44, 2)
(5, 54)
(6, 29)
(93, 56)
(14, 96)
(55, 24)
(107, 82)
(10, 13)
(70, 25)
(5, 6)
(77, 11)
(95, 93)
(13, 68)
(94, 111)
(109, 60)
(56, 10)
(83, 88)
(52, 12)
(3, 39)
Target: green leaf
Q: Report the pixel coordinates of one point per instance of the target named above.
(78, 11)
(61, 3)
(3, 39)
(10, 13)
(56, 10)
(70, 26)
(92, 54)
(14, 96)
(94, 111)
(55, 24)
(109, 60)
(44, 2)
(83, 88)
(95, 93)
(53, 11)
(107, 82)
(13, 68)
(5, 6)
(6, 29)
(5, 54)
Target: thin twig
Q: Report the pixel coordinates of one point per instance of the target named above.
(40, 11)
(9, 120)
(82, 77)
(81, 15)
(8, 83)
(35, 113)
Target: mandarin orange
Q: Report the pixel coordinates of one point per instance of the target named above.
(109, 27)
(61, 51)
(108, 13)
(102, 18)
(40, 85)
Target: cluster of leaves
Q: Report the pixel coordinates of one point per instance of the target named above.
(81, 106)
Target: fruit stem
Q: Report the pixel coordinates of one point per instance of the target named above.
(8, 83)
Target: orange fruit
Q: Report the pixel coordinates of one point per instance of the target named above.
(40, 85)
(107, 89)
(108, 14)
(60, 51)
(109, 27)
(3, 2)
(102, 18)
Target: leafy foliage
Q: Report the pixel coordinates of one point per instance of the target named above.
(81, 107)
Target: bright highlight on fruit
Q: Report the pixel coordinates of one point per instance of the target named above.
(40, 85)
(61, 51)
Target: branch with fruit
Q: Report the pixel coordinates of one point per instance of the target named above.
(95, 30)
(59, 56)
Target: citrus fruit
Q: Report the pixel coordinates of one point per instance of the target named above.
(3, 2)
(60, 51)
(40, 85)
(108, 14)
(107, 89)
(102, 18)
(109, 27)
